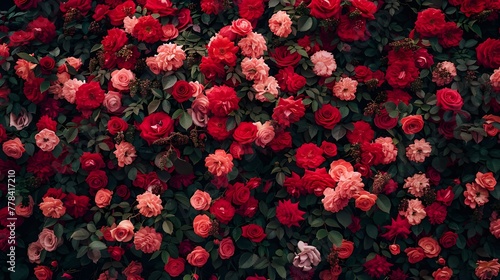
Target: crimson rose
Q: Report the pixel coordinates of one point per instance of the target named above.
(155, 126)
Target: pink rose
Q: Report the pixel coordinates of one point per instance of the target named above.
(265, 133)
(13, 148)
(121, 79)
(46, 140)
(198, 257)
(241, 26)
(112, 101)
(103, 198)
(200, 200)
(199, 111)
(123, 232)
(48, 240)
(170, 32)
(226, 248)
(74, 62)
(20, 121)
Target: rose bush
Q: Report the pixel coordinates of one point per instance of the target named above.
(254, 139)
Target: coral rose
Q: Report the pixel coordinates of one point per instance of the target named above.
(149, 204)
(412, 124)
(365, 200)
(226, 248)
(219, 163)
(444, 273)
(430, 245)
(486, 180)
(198, 257)
(103, 198)
(52, 207)
(13, 148)
(202, 225)
(123, 232)
(200, 200)
(147, 240)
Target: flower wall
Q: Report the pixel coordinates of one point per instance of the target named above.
(250, 139)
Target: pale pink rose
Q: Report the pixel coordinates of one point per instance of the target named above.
(147, 240)
(70, 88)
(125, 153)
(170, 57)
(345, 89)
(241, 26)
(444, 73)
(170, 32)
(475, 195)
(153, 64)
(486, 270)
(103, 198)
(48, 240)
(56, 90)
(308, 257)
(20, 121)
(13, 148)
(280, 24)
(265, 133)
(52, 207)
(253, 45)
(417, 184)
(219, 163)
(25, 211)
(200, 200)
(63, 77)
(495, 80)
(149, 205)
(34, 251)
(121, 79)
(267, 85)
(338, 168)
(123, 232)
(46, 140)
(196, 88)
(129, 24)
(419, 150)
(254, 69)
(113, 101)
(74, 62)
(324, 63)
(199, 111)
(349, 184)
(415, 212)
(24, 69)
(388, 148)
(332, 201)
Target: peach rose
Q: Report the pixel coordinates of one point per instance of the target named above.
(48, 240)
(153, 65)
(394, 249)
(52, 207)
(13, 148)
(74, 62)
(412, 124)
(170, 32)
(202, 225)
(123, 232)
(147, 240)
(365, 200)
(487, 269)
(324, 63)
(63, 77)
(24, 69)
(430, 245)
(170, 57)
(112, 101)
(486, 180)
(34, 251)
(198, 257)
(241, 26)
(345, 250)
(46, 140)
(444, 273)
(121, 79)
(149, 204)
(265, 133)
(339, 167)
(280, 24)
(103, 198)
(495, 80)
(56, 90)
(200, 200)
(70, 88)
(219, 163)
(226, 248)
(125, 153)
(25, 211)
(20, 121)
(253, 45)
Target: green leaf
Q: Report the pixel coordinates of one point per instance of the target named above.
(80, 234)
(247, 260)
(322, 233)
(344, 218)
(168, 81)
(305, 23)
(132, 173)
(493, 165)
(168, 227)
(21, 272)
(44, 86)
(383, 203)
(58, 230)
(335, 237)
(27, 57)
(186, 121)
(96, 47)
(372, 231)
(281, 271)
(153, 106)
(97, 245)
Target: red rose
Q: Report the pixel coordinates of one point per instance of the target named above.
(423, 59)
(282, 140)
(448, 239)
(362, 132)
(251, 9)
(148, 29)
(211, 68)
(415, 254)
(249, 209)
(371, 153)
(430, 22)
(256, 277)
(329, 149)
(114, 40)
(162, 7)
(211, 7)
(97, 179)
(44, 30)
(284, 58)
(121, 11)
(488, 53)
(89, 96)
(20, 38)
(366, 8)
(445, 196)
(129, 59)
(363, 73)
(382, 120)
(436, 213)
(174, 266)
(123, 192)
(288, 213)
(433, 175)
(76, 205)
(402, 73)
(42, 272)
(47, 63)
(4, 239)
(116, 124)
(184, 18)
(412, 124)
(324, 9)
(315, 182)
(100, 12)
(46, 122)
(253, 232)
(3, 133)
(327, 116)
(216, 127)
(451, 36)
(288, 111)
(397, 95)
(181, 91)
(83, 6)
(222, 100)
(309, 155)
(91, 161)
(447, 128)
(116, 252)
(241, 195)
(290, 81)
(363, 169)
(310, 47)
(26, 4)
(245, 133)
(32, 90)
(449, 99)
(352, 29)
(222, 210)
(155, 126)
(472, 7)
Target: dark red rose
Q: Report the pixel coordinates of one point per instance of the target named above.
(116, 124)
(223, 210)
(216, 127)
(38, 165)
(436, 213)
(26, 4)
(308, 155)
(447, 128)
(97, 179)
(148, 29)
(76, 205)
(91, 161)
(241, 195)
(245, 133)
(178, 181)
(371, 153)
(451, 36)
(355, 224)
(129, 57)
(327, 116)
(121, 11)
(294, 185)
(402, 73)
(364, 7)
(382, 120)
(181, 91)
(46, 122)
(114, 40)
(20, 38)
(449, 99)
(472, 7)
(211, 7)
(329, 149)
(282, 140)
(253, 183)
(123, 192)
(363, 169)
(212, 68)
(290, 81)
(430, 22)
(155, 126)
(4, 239)
(32, 90)
(362, 132)
(101, 10)
(397, 95)
(251, 9)
(106, 232)
(390, 187)
(448, 239)
(324, 9)
(184, 18)
(47, 63)
(222, 100)
(445, 196)
(249, 208)
(433, 175)
(488, 53)
(310, 47)
(89, 96)
(162, 7)
(185, 247)
(55, 193)
(256, 277)
(423, 59)
(253, 232)
(83, 6)
(352, 29)
(284, 58)
(363, 73)
(174, 266)
(44, 30)
(315, 182)
(3, 133)
(116, 252)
